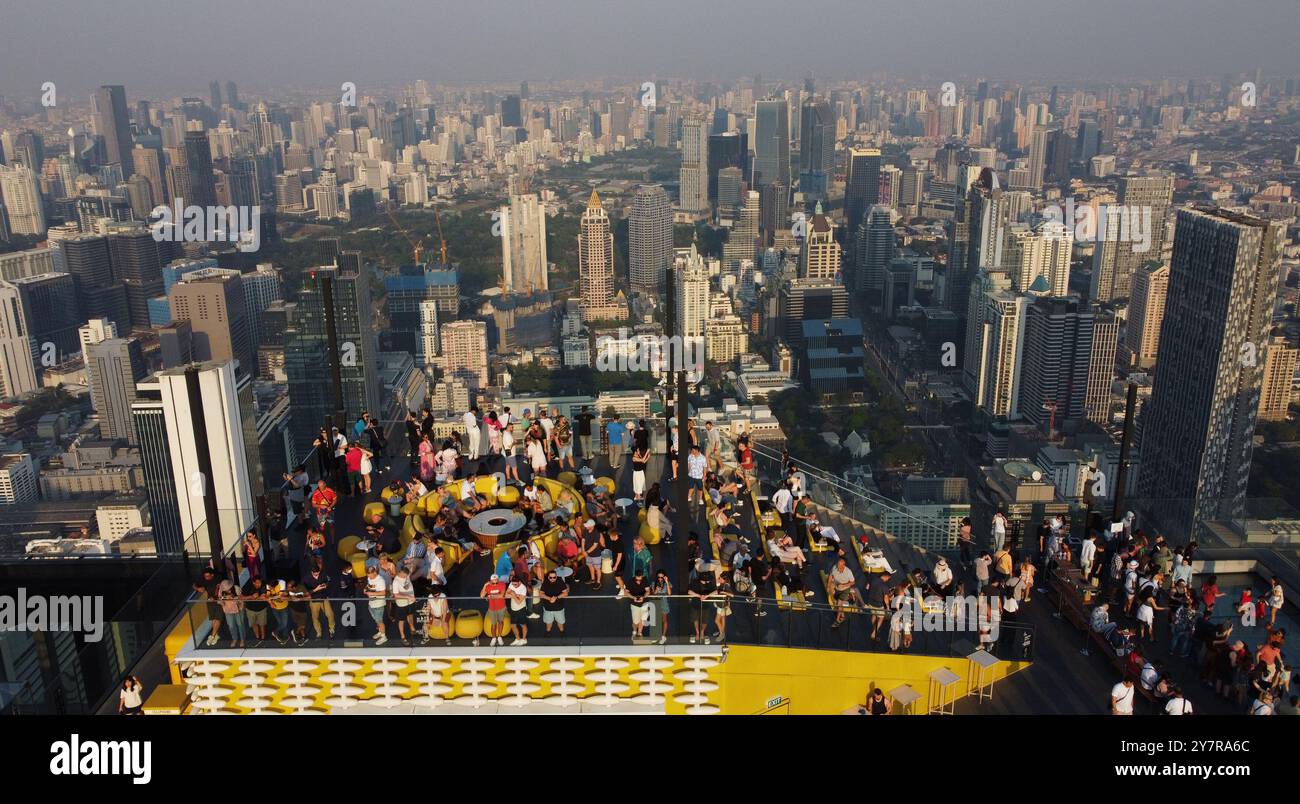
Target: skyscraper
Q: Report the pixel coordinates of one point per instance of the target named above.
(135, 258)
(650, 239)
(771, 142)
(113, 367)
(465, 352)
(1039, 258)
(1117, 256)
(692, 287)
(330, 353)
(1037, 157)
(17, 372)
(21, 197)
(212, 300)
(816, 147)
(695, 177)
(820, 256)
(742, 240)
(861, 185)
(523, 244)
(1279, 378)
(726, 149)
(49, 306)
(1146, 313)
(596, 262)
(1198, 426)
(1069, 361)
(873, 251)
(200, 183)
(112, 124)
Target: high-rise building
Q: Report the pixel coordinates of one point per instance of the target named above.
(523, 244)
(816, 148)
(820, 256)
(411, 326)
(200, 182)
(212, 300)
(262, 288)
(1146, 313)
(695, 178)
(726, 149)
(1276, 388)
(595, 263)
(771, 142)
(465, 352)
(1120, 251)
(650, 239)
(48, 303)
(195, 424)
(692, 289)
(1068, 363)
(332, 337)
(861, 185)
(112, 123)
(1037, 157)
(137, 265)
(17, 372)
(17, 479)
(88, 259)
(1199, 424)
(1039, 258)
(873, 251)
(742, 241)
(20, 194)
(113, 367)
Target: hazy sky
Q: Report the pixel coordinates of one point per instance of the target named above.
(179, 45)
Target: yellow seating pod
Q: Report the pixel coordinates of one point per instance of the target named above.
(501, 630)
(348, 546)
(436, 630)
(372, 510)
(358, 562)
(469, 624)
(607, 483)
(509, 497)
(648, 534)
(568, 478)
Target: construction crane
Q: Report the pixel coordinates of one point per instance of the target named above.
(442, 243)
(416, 248)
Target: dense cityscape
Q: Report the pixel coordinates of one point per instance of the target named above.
(943, 394)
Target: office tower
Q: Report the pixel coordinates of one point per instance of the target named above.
(200, 183)
(726, 149)
(49, 307)
(465, 352)
(113, 367)
(429, 337)
(1199, 424)
(1279, 378)
(998, 366)
(523, 244)
(692, 292)
(861, 185)
(773, 211)
(650, 239)
(332, 336)
(1119, 251)
(911, 188)
(232, 94)
(816, 148)
(21, 196)
(731, 184)
(809, 300)
(214, 95)
(1037, 157)
(595, 262)
(17, 373)
(112, 124)
(26, 148)
(695, 176)
(742, 241)
(1039, 258)
(820, 256)
(511, 112)
(135, 258)
(195, 424)
(1060, 150)
(983, 286)
(1068, 362)
(88, 259)
(212, 300)
(771, 142)
(873, 251)
(1146, 313)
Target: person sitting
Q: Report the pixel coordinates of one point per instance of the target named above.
(785, 550)
(470, 500)
(529, 505)
(568, 551)
(941, 581)
(1100, 620)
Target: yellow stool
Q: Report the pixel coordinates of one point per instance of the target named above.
(348, 546)
(648, 534)
(436, 631)
(372, 510)
(469, 625)
(504, 627)
(607, 483)
(509, 497)
(358, 562)
(569, 479)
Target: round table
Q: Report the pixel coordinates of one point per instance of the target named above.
(496, 524)
(623, 504)
(365, 546)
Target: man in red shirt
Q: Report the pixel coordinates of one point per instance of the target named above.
(1210, 592)
(494, 591)
(323, 500)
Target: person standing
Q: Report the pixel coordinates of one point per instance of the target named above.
(640, 458)
(563, 435)
(696, 465)
(130, 701)
(999, 531)
(472, 432)
(615, 430)
(1121, 697)
(583, 433)
(713, 443)
(965, 542)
